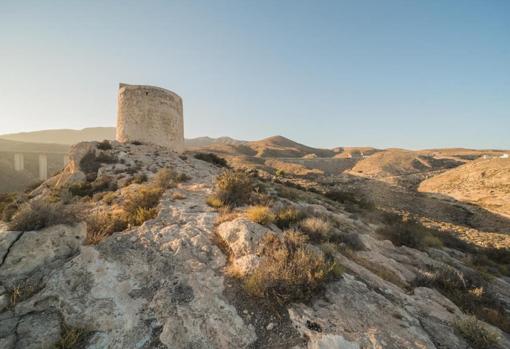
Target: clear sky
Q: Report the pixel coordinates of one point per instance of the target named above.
(409, 73)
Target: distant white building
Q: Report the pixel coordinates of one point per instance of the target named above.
(504, 156)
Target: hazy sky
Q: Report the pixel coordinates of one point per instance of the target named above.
(415, 74)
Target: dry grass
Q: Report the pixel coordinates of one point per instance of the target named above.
(317, 228)
(470, 292)
(39, 214)
(70, 337)
(141, 215)
(214, 202)
(290, 270)
(103, 224)
(167, 178)
(20, 292)
(232, 188)
(226, 215)
(260, 214)
(145, 197)
(288, 216)
(475, 333)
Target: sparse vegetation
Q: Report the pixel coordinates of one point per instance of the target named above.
(103, 224)
(70, 337)
(469, 291)
(232, 188)
(351, 240)
(345, 197)
(290, 270)
(6, 199)
(211, 158)
(39, 214)
(146, 197)
(288, 216)
(20, 292)
(475, 333)
(260, 214)
(104, 145)
(167, 178)
(317, 228)
(139, 178)
(91, 162)
(99, 185)
(408, 232)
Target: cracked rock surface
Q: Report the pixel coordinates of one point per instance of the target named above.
(163, 284)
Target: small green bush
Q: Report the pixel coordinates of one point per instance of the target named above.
(39, 214)
(212, 159)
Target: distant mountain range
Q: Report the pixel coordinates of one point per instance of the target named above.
(69, 137)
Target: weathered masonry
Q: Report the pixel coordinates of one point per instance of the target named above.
(151, 115)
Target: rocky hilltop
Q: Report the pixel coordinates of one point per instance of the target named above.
(133, 246)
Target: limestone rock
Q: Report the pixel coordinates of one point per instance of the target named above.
(34, 249)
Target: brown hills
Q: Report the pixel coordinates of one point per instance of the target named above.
(484, 182)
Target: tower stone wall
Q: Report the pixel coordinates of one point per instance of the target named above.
(151, 115)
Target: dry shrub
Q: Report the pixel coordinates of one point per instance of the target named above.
(470, 292)
(225, 215)
(260, 214)
(167, 178)
(290, 269)
(39, 214)
(141, 215)
(139, 178)
(351, 240)
(403, 231)
(212, 159)
(475, 333)
(9, 204)
(20, 292)
(99, 185)
(104, 145)
(70, 337)
(232, 188)
(317, 228)
(288, 216)
(214, 202)
(145, 197)
(103, 224)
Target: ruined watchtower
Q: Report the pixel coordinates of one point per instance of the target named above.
(150, 114)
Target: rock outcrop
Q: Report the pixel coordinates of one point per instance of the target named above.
(163, 284)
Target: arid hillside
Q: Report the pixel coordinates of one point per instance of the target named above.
(484, 182)
(134, 246)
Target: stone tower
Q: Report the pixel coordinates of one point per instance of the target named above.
(151, 115)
